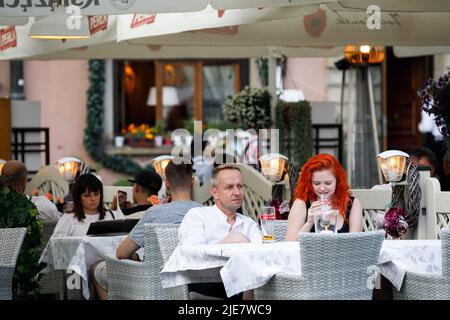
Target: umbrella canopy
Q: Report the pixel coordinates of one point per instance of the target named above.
(292, 31)
(27, 8)
(113, 29)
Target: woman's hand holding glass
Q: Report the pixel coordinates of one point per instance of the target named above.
(316, 206)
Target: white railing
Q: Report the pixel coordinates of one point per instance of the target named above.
(372, 203)
(438, 209)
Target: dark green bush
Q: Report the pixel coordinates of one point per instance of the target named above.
(17, 211)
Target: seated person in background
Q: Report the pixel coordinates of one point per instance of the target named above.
(87, 193)
(18, 174)
(425, 157)
(445, 180)
(202, 162)
(179, 181)
(219, 224)
(146, 185)
(323, 175)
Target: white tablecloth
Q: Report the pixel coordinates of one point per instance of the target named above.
(79, 254)
(247, 266)
(419, 256)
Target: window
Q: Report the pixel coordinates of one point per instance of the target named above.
(171, 92)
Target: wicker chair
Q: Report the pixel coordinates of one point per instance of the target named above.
(48, 179)
(132, 280)
(10, 243)
(53, 282)
(167, 241)
(333, 267)
(280, 229)
(428, 287)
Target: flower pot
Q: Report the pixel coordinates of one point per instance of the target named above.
(140, 142)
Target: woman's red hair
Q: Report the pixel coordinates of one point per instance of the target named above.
(304, 190)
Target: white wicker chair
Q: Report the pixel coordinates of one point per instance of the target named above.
(333, 267)
(53, 282)
(373, 202)
(167, 241)
(132, 280)
(48, 179)
(10, 243)
(428, 287)
(280, 229)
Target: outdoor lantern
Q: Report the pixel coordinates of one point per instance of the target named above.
(392, 164)
(272, 166)
(69, 168)
(364, 54)
(60, 25)
(2, 162)
(160, 163)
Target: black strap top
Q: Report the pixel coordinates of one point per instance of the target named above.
(345, 226)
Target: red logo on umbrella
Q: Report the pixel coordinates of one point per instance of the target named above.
(8, 38)
(142, 19)
(315, 23)
(97, 24)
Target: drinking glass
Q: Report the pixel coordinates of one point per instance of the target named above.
(267, 217)
(325, 221)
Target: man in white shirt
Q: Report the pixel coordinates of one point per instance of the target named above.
(219, 224)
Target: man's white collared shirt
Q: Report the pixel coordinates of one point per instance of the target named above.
(208, 225)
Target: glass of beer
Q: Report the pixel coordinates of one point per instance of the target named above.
(267, 217)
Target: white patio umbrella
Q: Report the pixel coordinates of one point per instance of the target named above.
(113, 29)
(26, 8)
(394, 5)
(293, 31)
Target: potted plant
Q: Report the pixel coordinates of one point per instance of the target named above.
(159, 131)
(139, 135)
(249, 109)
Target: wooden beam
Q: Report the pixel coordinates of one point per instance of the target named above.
(237, 77)
(159, 81)
(5, 129)
(198, 114)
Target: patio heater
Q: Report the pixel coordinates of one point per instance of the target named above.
(362, 131)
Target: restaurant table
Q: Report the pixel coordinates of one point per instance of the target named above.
(79, 254)
(246, 266)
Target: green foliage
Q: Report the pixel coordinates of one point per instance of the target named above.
(188, 124)
(94, 123)
(123, 183)
(249, 109)
(17, 211)
(293, 119)
(221, 125)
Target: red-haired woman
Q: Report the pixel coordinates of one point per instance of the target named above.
(323, 175)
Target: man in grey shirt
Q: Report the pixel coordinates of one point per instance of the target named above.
(179, 181)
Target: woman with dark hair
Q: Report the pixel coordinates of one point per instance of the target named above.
(324, 176)
(87, 193)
